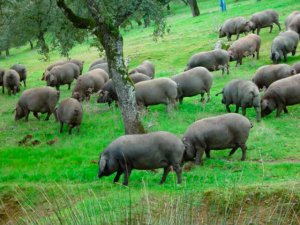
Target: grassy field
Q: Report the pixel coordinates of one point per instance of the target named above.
(58, 183)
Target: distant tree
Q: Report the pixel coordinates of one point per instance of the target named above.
(194, 7)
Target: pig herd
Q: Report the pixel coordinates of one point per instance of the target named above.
(280, 83)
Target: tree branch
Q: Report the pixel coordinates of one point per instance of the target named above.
(121, 18)
(77, 21)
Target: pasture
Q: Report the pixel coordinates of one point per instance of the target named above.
(52, 178)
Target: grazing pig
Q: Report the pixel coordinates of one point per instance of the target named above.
(59, 63)
(60, 75)
(11, 81)
(212, 60)
(77, 62)
(236, 26)
(146, 68)
(290, 18)
(294, 24)
(244, 47)
(103, 66)
(108, 93)
(21, 70)
(158, 91)
(142, 152)
(266, 75)
(37, 100)
(89, 83)
(296, 66)
(99, 61)
(2, 72)
(138, 77)
(283, 44)
(216, 133)
(70, 112)
(280, 94)
(193, 82)
(265, 19)
(242, 93)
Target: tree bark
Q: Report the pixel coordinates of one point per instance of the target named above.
(43, 45)
(113, 45)
(31, 44)
(146, 20)
(194, 7)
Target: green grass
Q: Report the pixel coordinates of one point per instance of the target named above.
(273, 156)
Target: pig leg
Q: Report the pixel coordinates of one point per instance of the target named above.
(174, 103)
(178, 172)
(208, 96)
(36, 115)
(117, 177)
(257, 54)
(3, 88)
(228, 36)
(69, 86)
(258, 30)
(207, 153)
(279, 109)
(244, 110)
(70, 128)
(180, 100)
(168, 106)
(278, 24)
(271, 28)
(78, 129)
(202, 97)
(48, 115)
(238, 35)
(24, 81)
(227, 69)
(127, 171)
(199, 154)
(166, 172)
(244, 149)
(227, 108)
(285, 109)
(237, 107)
(26, 111)
(233, 150)
(285, 57)
(61, 127)
(294, 51)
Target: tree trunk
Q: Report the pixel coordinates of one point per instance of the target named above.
(146, 20)
(31, 44)
(113, 45)
(43, 45)
(194, 7)
(7, 52)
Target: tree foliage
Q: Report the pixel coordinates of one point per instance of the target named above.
(67, 22)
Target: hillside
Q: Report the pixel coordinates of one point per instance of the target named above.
(44, 183)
